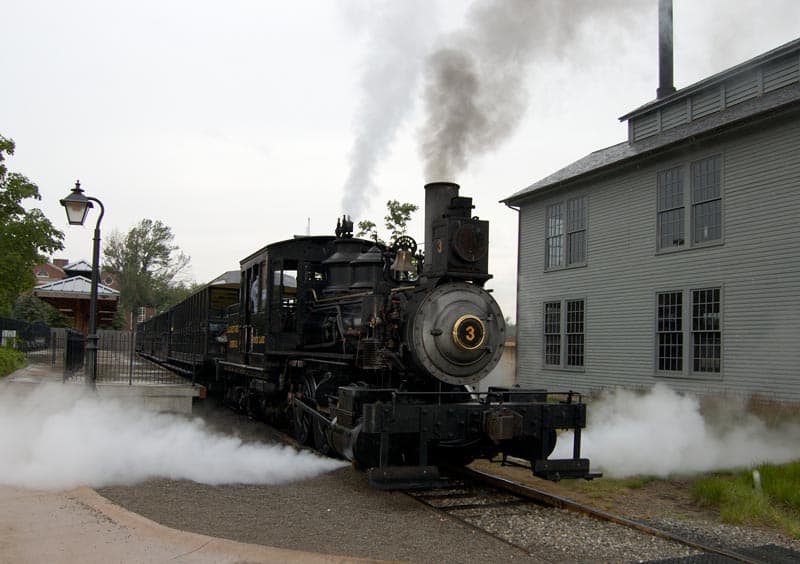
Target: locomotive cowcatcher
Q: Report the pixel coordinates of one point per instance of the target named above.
(364, 358)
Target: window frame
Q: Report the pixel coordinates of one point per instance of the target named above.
(573, 219)
(690, 204)
(566, 338)
(689, 332)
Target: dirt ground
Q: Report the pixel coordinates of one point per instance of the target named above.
(652, 500)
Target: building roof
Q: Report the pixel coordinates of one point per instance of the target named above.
(229, 277)
(75, 287)
(78, 266)
(758, 88)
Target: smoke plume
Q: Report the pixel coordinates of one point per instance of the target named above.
(662, 433)
(59, 437)
(397, 41)
(476, 81)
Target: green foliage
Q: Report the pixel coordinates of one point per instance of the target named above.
(368, 229)
(739, 501)
(25, 234)
(399, 215)
(28, 307)
(146, 263)
(396, 221)
(10, 360)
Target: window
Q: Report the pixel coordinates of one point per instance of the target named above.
(706, 200)
(704, 215)
(554, 251)
(552, 333)
(670, 208)
(576, 231)
(701, 328)
(564, 323)
(669, 331)
(575, 333)
(565, 240)
(706, 334)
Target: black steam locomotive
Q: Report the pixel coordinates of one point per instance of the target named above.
(364, 358)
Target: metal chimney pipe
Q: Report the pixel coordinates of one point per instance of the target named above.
(438, 196)
(665, 78)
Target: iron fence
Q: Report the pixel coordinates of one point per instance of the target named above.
(24, 336)
(117, 360)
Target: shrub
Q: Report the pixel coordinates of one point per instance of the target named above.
(10, 360)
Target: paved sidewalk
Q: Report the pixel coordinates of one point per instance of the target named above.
(81, 526)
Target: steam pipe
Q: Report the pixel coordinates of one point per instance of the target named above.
(665, 63)
(438, 196)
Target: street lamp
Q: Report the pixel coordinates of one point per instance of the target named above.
(77, 206)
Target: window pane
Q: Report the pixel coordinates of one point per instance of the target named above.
(670, 208)
(554, 248)
(575, 332)
(706, 179)
(670, 189)
(707, 200)
(706, 330)
(707, 221)
(670, 229)
(552, 333)
(576, 248)
(669, 327)
(555, 221)
(576, 231)
(576, 214)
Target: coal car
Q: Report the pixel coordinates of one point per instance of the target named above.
(189, 337)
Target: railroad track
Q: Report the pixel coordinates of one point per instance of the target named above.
(473, 494)
(515, 508)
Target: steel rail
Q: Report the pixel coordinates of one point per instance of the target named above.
(571, 505)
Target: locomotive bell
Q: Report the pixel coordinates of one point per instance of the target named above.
(403, 261)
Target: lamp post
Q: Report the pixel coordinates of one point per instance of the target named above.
(77, 206)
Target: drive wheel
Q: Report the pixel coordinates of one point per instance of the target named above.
(302, 422)
(321, 443)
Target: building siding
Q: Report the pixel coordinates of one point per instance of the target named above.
(756, 265)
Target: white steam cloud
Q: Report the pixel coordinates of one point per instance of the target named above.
(662, 433)
(397, 41)
(59, 437)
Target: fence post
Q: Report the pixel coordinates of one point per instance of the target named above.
(130, 357)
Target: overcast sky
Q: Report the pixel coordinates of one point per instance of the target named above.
(242, 123)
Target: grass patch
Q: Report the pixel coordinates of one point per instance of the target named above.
(10, 360)
(738, 501)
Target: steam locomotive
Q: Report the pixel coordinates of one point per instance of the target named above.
(367, 356)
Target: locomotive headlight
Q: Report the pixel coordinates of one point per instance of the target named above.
(456, 332)
(469, 332)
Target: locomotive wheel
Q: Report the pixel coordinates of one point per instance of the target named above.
(321, 443)
(302, 424)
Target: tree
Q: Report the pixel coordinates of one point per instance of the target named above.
(396, 221)
(28, 307)
(25, 235)
(399, 216)
(147, 265)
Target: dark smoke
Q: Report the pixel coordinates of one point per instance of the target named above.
(396, 42)
(475, 82)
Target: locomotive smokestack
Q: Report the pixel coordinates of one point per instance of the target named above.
(665, 78)
(438, 196)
